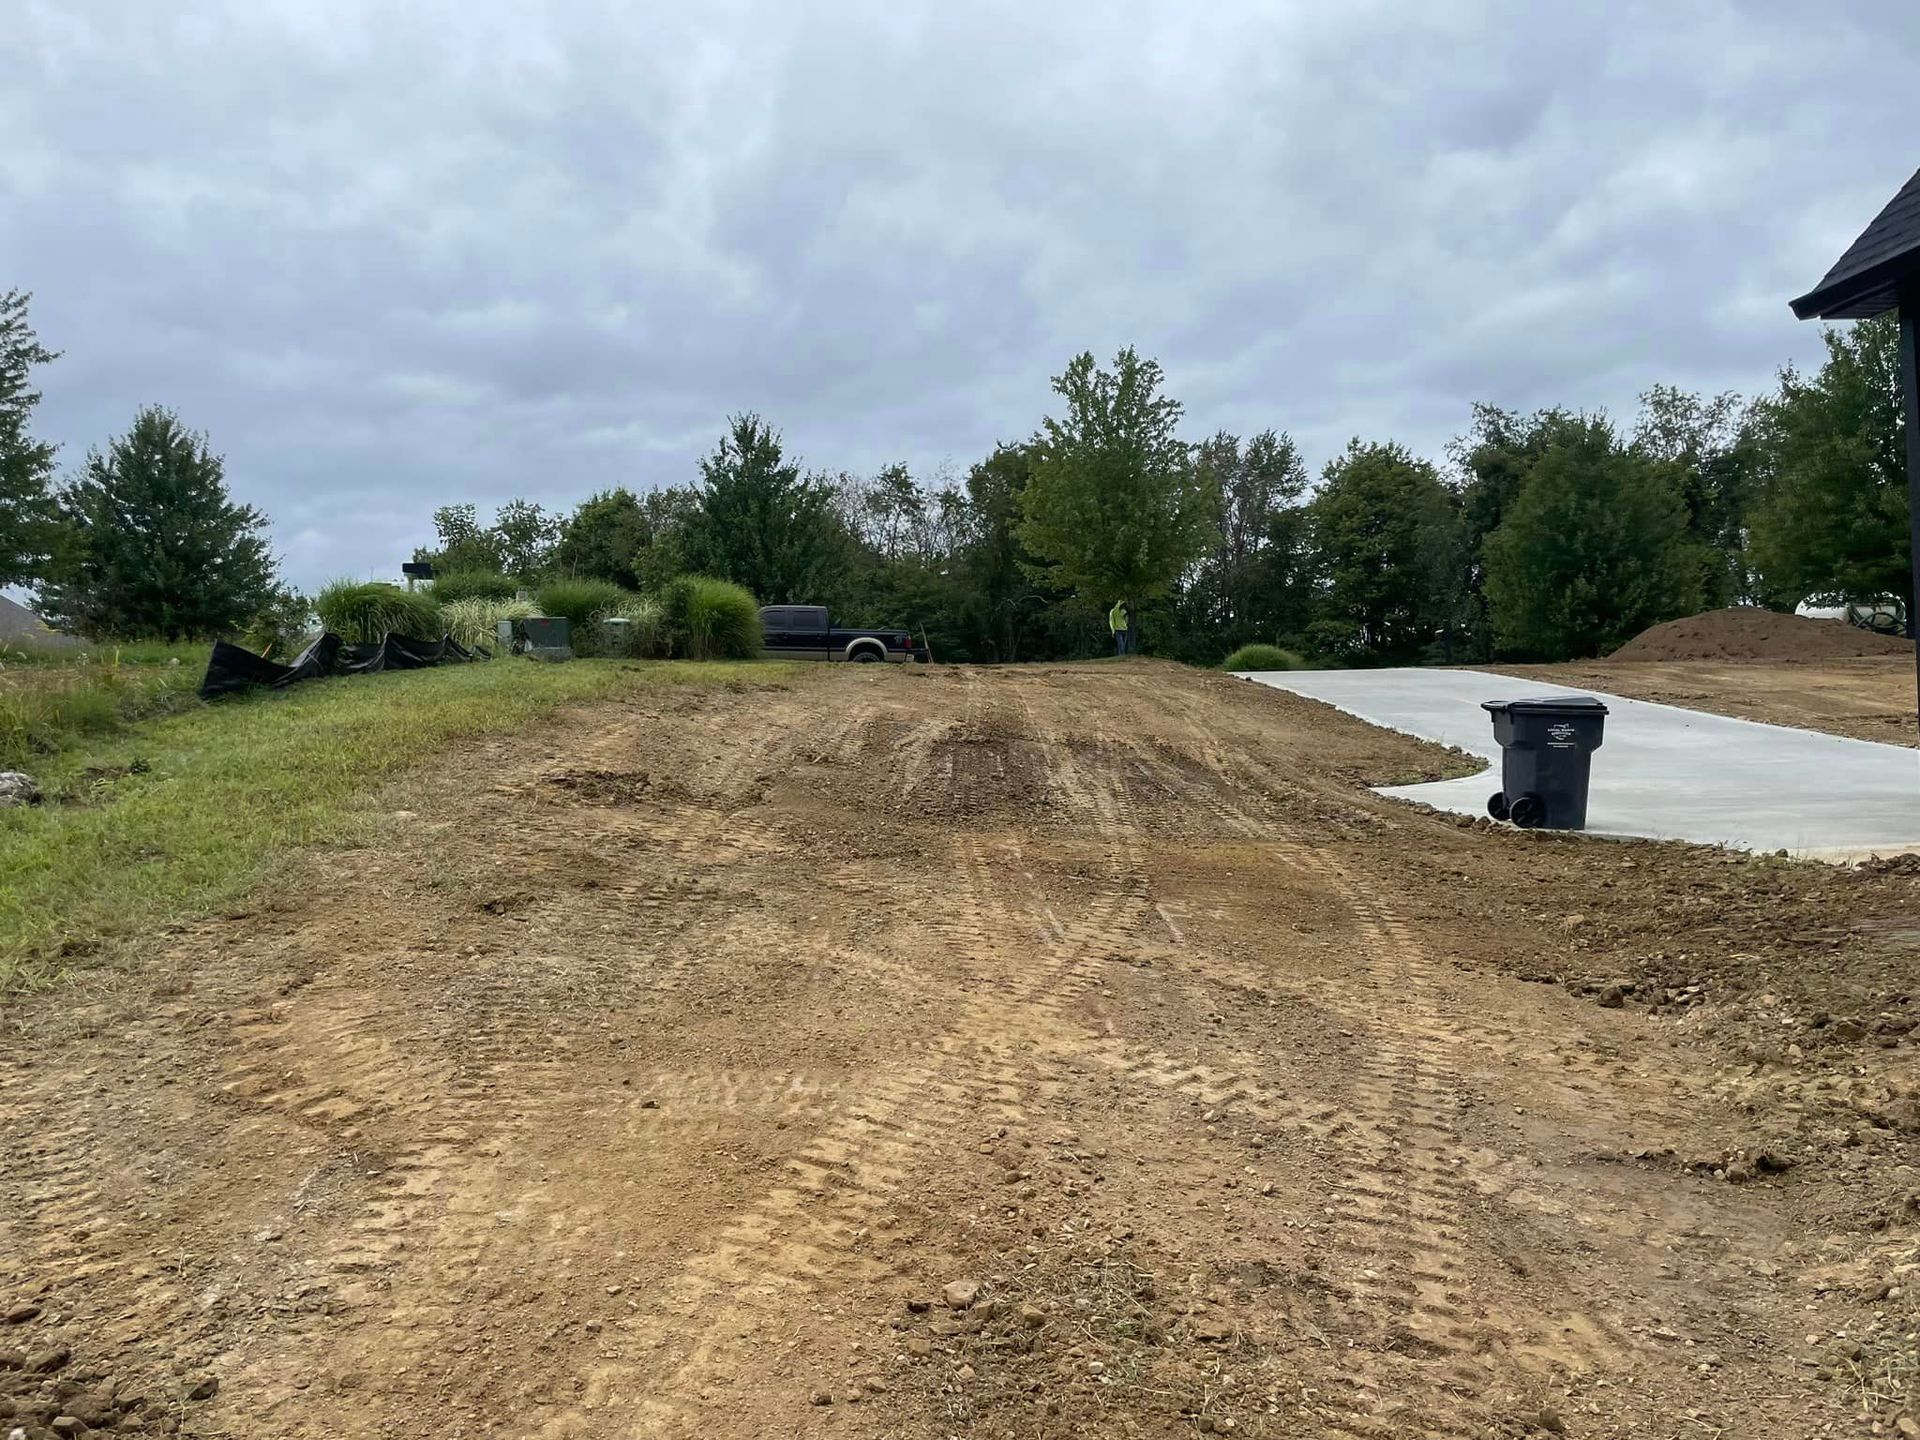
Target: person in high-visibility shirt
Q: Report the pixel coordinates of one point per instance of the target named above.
(1120, 621)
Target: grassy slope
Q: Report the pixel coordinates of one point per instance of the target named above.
(231, 789)
(51, 701)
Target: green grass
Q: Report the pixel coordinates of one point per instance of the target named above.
(1262, 657)
(228, 793)
(190, 653)
(47, 707)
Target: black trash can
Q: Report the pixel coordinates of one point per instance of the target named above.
(1546, 750)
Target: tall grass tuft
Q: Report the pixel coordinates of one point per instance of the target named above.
(474, 622)
(643, 637)
(365, 612)
(578, 601)
(474, 585)
(711, 619)
(1262, 657)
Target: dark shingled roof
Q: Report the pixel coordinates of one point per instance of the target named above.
(1866, 281)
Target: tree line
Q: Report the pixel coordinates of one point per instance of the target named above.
(1544, 536)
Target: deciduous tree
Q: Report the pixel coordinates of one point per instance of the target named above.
(1710, 442)
(525, 534)
(603, 537)
(1114, 507)
(1386, 539)
(1253, 583)
(1594, 549)
(1830, 520)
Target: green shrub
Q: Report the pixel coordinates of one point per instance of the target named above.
(579, 601)
(474, 622)
(474, 585)
(1262, 657)
(710, 619)
(363, 613)
(282, 627)
(643, 637)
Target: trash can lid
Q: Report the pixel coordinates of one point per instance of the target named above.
(1548, 705)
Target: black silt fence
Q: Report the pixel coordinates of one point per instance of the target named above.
(231, 669)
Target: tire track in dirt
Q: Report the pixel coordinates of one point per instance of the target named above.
(811, 1232)
(446, 1135)
(1425, 1367)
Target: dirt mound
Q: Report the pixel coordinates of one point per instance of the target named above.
(1744, 633)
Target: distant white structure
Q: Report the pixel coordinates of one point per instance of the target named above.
(1809, 610)
(1886, 615)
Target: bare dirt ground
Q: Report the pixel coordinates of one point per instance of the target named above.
(1027, 1053)
(1868, 698)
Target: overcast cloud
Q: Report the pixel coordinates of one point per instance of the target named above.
(395, 256)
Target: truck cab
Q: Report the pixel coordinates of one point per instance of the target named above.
(807, 632)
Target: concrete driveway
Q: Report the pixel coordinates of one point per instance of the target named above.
(1663, 772)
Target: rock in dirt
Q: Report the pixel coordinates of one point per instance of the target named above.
(205, 1388)
(45, 1362)
(822, 1397)
(1613, 997)
(1908, 1427)
(959, 1294)
(23, 1312)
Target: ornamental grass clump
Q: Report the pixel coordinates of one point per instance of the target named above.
(642, 637)
(366, 612)
(475, 622)
(711, 619)
(579, 601)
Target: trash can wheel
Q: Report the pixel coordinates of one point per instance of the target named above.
(1527, 811)
(1497, 805)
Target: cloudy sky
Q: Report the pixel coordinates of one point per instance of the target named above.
(397, 255)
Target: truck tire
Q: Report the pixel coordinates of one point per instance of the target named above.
(865, 656)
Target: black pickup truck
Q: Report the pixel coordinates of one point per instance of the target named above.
(806, 632)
